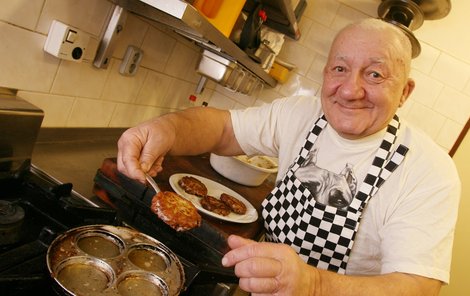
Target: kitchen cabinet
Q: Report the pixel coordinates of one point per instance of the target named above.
(186, 20)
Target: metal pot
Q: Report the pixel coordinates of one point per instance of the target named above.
(113, 260)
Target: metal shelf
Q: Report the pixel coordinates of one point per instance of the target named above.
(187, 21)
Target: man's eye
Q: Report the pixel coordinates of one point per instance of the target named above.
(338, 69)
(375, 75)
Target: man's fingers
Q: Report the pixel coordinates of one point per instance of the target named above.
(260, 267)
(243, 249)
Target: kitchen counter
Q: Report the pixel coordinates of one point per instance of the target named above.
(74, 156)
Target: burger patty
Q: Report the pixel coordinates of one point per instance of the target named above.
(193, 186)
(212, 204)
(234, 204)
(176, 211)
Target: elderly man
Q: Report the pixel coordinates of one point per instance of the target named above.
(364, 204)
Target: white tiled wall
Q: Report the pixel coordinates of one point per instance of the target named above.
(80, 95)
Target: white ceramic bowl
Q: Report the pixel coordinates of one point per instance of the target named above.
(243, 170)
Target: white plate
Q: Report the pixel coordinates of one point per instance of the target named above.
(215, 189)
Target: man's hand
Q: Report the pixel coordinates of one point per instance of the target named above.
(269, 268)
(142, 149)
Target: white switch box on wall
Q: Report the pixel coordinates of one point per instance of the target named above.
(66, 42)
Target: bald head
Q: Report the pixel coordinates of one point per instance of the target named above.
(391, 35)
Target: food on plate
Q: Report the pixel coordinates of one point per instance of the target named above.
(234, 204)
(214, 205)
(192, 185)
(179, 213)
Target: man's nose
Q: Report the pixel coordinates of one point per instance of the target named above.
(352, 87)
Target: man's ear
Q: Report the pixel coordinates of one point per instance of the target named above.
(407, 90)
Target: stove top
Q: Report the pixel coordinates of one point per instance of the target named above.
(34, 209)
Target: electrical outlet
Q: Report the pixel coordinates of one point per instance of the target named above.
(66, 42)
(131, 61)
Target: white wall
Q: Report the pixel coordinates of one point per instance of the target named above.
(80, 95)
(459, 281)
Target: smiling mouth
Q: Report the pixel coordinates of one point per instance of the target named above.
(352, 106)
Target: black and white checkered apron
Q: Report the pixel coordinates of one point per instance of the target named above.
(323, 235)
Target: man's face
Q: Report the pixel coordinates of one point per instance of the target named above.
(364, 82)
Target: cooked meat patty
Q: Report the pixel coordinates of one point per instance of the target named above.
(192, 185)
(176, 211)
(212, 204)
(234, 204)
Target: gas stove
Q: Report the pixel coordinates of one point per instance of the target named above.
(34, 209)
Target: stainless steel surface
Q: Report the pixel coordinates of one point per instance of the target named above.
(20, 122)
(431, 9)
(183, 17)
(407, 13)
(152, 183)
(214, 66)
(73, 155)
(110, 36)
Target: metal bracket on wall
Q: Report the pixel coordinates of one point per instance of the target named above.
(110, 36)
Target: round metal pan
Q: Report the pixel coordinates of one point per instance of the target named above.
(113, 260)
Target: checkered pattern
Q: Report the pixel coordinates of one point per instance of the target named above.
(323, 235)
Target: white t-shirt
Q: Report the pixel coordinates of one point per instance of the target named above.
(408, 225)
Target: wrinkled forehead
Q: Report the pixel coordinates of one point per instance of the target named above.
(377, 42)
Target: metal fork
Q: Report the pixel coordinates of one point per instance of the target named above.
(152, 183)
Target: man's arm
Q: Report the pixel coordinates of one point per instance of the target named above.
(189, 132)
(276, 269)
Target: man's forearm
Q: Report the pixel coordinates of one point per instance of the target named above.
(389, 284)
(200, 130)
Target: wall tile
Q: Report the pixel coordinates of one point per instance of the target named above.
(322, 11)
(448, 134)
(367, 7)
(127, 115)
(22, 13)
(297, 54)
(467, 88)
(426, 59)
(430, 121)
(56, 108)
(305, 25)
(451, 71)
(345, 16)
(120, 88)
(235, 96)
(155, 88)
(315, 72)
(426, 90)
(133, 33)
(89, 16)
(79, 79)
(183, 62)
(24, 64)
(267, 95)
(319, 38)
(221, 101)
(454, 105)
(178, 95)
(157, 47)
(299, 85)
(90, 113)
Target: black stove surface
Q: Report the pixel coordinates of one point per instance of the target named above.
(34, 210)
